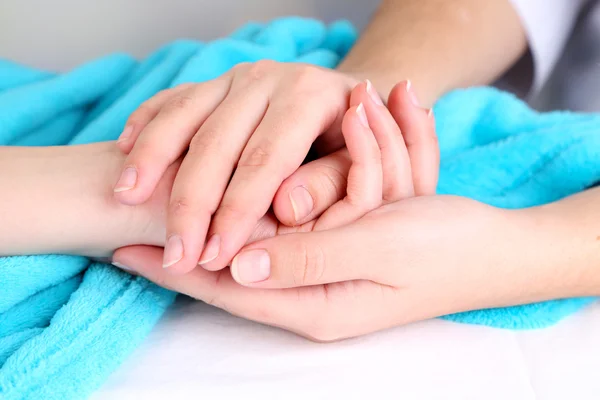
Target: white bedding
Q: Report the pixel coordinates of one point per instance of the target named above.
(198, 352)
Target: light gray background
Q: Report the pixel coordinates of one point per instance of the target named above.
(60, 34)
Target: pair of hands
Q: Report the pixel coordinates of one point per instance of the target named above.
(246, 135)
(348, 257)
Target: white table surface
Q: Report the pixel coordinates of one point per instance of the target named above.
(198, 352)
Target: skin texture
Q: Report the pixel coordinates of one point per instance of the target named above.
(402, 261)
(248, 131)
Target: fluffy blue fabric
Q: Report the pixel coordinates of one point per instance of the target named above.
(65, 323)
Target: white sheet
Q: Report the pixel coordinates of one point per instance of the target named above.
(198, 352)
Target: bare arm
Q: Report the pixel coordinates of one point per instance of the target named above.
(59, 200)
(438, 44)
(568, 233)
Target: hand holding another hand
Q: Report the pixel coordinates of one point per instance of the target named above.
(352, 270)
(257, 123)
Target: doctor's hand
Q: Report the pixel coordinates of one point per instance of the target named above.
(361, 265)
(246, 134)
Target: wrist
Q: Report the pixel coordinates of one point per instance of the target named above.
(568, 238)
(61, 202)
(129, 225)
(92, 221)
(518, 257)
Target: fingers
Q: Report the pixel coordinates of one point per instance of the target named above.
(275, 150)
(365, 178)
(319, 312)
(204, 175)
(380, 171)
(418, 128)
(318, 185)
(166, 137)
(299, 310)
(307, 259)
(312, 189)
(396, 166)
(145, 113)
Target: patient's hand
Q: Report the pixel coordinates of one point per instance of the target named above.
(356, 271)
(258, 122)
(365, 265)
(342, 187)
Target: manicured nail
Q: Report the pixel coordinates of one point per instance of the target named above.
(374, 95)
(411, 94)
(251, 266)
(362, 116)
(123, 267)
(211, 251)
(173, 251)
(125, 134)
(302, 202)
(127, 180)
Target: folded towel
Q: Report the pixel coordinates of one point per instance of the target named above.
(66, 323)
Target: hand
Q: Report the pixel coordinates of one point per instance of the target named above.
(380, 174)
(256, 122)
(375, 176)
(410, 260)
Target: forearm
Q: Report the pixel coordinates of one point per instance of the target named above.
(567, 244)
(59, 200)
(438, 44)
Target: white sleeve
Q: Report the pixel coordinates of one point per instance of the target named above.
(548, 25)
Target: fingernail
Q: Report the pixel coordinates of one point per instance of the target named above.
(411, 94)
(127, 180)
(125, 134)
(430, 113)
(173, 251)
(302, 202)
(211, 251)
(123, 267)
(374, 95)
(362, 116)
(251, 266)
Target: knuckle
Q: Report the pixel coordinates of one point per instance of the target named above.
(181, 102)
(229, 211)
(331, 181)
(258, 156)
(308, 80)
(259, 70)
(311, 264)
(364, 204)
(180, 206)
(307, 74)
(203, 141)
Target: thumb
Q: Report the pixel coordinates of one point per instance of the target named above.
(312, 189)
(303, 259)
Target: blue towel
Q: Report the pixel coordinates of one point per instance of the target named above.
(67, 323)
